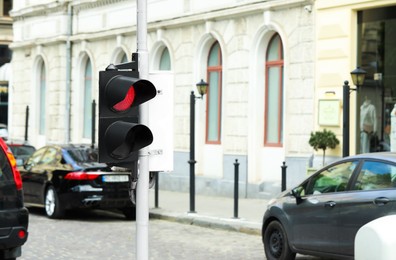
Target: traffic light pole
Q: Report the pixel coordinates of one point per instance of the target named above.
(142, 212)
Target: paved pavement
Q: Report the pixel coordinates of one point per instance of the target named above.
(210, 211)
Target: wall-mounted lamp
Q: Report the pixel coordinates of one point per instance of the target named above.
(202, 87)
(358, 75)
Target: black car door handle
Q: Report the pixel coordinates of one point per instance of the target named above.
(330, 204)
(381, 201)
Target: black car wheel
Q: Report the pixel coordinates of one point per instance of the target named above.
(276, 245)
(53, 208)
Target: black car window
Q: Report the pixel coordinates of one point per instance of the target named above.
(333, 179)
(22, 150)
(376, 175)
(36, 157)
(82, 155)
(51, 156)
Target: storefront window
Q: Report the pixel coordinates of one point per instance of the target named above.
(377, 97)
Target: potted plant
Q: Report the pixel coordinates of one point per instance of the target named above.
(323, 140)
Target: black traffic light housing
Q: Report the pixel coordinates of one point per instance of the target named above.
(120, 94)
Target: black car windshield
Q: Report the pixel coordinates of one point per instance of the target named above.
(82, 155)
(22, 149)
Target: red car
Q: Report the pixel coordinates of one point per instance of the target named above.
(14, 217)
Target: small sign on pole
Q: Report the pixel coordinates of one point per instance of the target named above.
(161, 114)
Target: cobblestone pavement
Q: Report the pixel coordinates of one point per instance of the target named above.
(100, 235)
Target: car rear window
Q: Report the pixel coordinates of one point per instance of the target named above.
(376, 175)
(22, 150)
(81, 155)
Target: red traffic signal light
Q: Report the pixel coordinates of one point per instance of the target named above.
(125, 91)
(120, 134)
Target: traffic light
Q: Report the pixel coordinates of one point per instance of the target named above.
(120, 94)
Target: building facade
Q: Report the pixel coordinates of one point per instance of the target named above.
(5, 57)
(257, 56)
(361, 36)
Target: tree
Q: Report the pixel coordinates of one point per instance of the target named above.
(323, 140)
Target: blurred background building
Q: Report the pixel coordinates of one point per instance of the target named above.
(5, 57)
(271, 66)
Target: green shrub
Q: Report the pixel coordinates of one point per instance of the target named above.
(323, 140)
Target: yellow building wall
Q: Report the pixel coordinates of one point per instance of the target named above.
(336, 57)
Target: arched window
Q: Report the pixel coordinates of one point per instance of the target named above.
(273, 133)
(124, 58)
(165, 63)
(42, 98)
(213, 116)
(87, 102)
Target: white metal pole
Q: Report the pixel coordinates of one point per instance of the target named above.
(142, 211)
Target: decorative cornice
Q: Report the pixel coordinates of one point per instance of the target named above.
(185, 20)
(39, 10)
(59, 7)
(230, 11)
(89, 4)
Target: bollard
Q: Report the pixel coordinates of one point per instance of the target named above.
(93, 130)
(283, 176)
(236, 192)
(156, 190)
(26, 123)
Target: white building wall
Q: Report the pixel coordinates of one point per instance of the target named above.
(187, 28)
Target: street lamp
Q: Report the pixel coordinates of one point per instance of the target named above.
(358, 75)
(202, 88)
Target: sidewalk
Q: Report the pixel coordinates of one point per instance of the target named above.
(210, 211)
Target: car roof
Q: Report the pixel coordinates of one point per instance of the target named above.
(19, 144)
(70, 146)
(378, 155)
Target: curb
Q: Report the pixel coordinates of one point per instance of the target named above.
(231, 224)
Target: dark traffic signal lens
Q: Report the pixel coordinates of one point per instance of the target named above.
(121, 136)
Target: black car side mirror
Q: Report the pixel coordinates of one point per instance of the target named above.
(28, 166)
(296, 192)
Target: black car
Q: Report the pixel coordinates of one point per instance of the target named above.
(60, 178)
(14, 217)
(21, 151)
(322, 215)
